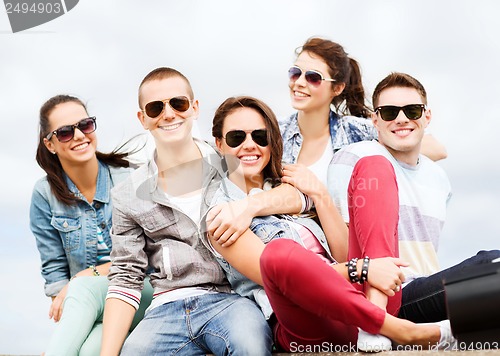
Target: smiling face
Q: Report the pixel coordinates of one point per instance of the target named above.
(402, 137)
(82, 147)
(306, 96)
(247, 161)
(171, 126)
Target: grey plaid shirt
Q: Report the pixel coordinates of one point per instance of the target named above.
(149, 230)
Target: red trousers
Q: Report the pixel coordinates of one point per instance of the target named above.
(374, 214)
(313, 303)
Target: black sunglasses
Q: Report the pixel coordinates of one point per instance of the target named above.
(390, 112)
(66, 133)
(235, 138)
(178, 103)
(312, 77)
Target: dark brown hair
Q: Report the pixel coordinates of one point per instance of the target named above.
(401, 80)
(272, 171)
(50, 162)
(164, 73)
(343, 69)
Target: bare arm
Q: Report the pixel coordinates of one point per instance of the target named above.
(432, 148)
(118, 317)
(336, 231)
(244, 254)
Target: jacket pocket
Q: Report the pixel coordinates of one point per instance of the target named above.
(159, 223)
(69, 229)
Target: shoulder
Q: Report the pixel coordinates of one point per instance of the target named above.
(226, 192)
(41, 184)
(118, 174)
(345, 130)
(428, 166)
(350, 154)
(128, 178)
(286, 122)
(42, 187)
(356, 124)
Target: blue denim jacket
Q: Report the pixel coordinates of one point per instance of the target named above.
(344, 130)
(66, 235)
(267, 228)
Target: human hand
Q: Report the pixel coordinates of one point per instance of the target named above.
(56, 308)
(386, 275)
(303, 179)
(227, 222)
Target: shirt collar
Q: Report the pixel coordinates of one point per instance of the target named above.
(209, 156)
(103, 186)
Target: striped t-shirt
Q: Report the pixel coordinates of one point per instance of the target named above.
(103, 250)
(424, 191)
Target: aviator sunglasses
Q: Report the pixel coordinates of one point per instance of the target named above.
(235, 138)
(312, 77)
(66, 133)
(390, 112)
(178, 103)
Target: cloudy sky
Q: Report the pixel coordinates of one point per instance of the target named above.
(101, 50)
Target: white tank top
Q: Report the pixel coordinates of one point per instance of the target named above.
(320, 167)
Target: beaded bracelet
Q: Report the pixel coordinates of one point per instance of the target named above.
(95, 272)
(364, 270)
(352, 270)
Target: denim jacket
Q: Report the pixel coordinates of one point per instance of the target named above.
(267, 228)
(344, 130)
(66, 235)
(149, 230)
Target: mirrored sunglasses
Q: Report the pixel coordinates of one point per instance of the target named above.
(312, 77)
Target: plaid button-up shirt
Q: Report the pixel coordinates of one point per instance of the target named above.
(344, 130)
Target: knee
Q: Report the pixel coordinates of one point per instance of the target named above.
(373, 166)
(89, 290)
(276, 253)
(488, 256)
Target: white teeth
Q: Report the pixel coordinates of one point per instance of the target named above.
(249, 158)
(403, 132)
(80, 147)
(297, 93)
(170, 127)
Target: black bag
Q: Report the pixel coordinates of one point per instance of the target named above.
(473, 303)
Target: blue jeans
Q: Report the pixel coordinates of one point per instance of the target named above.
(424, 298)
(218, 323)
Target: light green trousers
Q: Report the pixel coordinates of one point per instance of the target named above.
(79, 332)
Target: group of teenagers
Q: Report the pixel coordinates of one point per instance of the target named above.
(281, 235)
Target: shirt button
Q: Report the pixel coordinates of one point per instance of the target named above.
(97, 205)
(102, 225)
(65, 223)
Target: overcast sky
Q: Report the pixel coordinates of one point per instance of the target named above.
(101, 50)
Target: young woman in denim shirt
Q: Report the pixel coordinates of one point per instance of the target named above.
(70, 216)
(311, 295)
